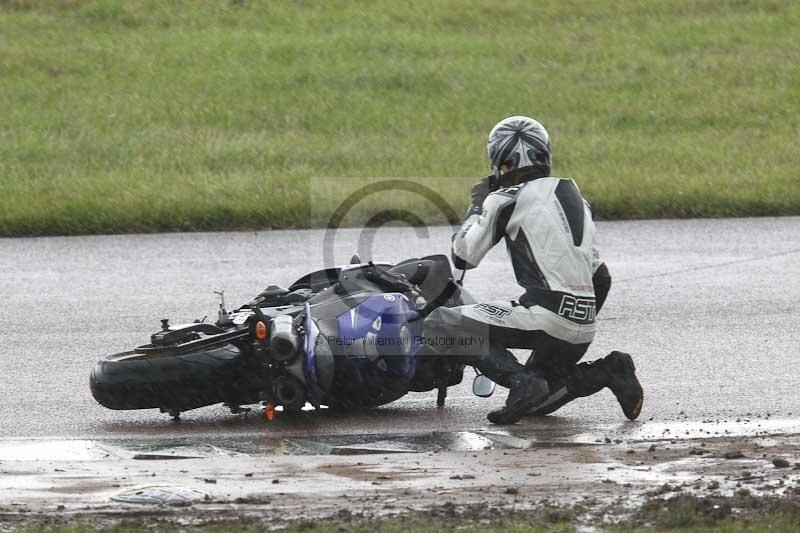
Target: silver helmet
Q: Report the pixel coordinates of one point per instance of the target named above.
(518, 142)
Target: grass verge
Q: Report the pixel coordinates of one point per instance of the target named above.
(742, 512)
(150, 116)
(513, 523)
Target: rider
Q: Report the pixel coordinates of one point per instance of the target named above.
(549, 234)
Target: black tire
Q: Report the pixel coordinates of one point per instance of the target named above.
(130, 380)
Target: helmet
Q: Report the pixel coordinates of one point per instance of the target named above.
(518, 142)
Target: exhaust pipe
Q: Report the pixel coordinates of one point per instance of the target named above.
(283, 338)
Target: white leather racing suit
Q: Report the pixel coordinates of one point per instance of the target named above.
(549, 234)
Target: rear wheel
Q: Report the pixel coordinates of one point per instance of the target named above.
(133, 380)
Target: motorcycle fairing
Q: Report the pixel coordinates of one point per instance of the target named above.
(382, 331)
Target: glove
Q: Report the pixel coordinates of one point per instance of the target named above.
(480, 191)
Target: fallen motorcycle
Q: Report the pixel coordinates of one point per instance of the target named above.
(343, 337)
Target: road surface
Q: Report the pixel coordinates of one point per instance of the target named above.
(708, 308)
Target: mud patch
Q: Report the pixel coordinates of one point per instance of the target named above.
(508, 471)
(86, 486)
(373, 472)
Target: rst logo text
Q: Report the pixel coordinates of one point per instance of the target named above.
(577, 309)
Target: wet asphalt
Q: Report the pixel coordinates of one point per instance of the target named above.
(708, 308)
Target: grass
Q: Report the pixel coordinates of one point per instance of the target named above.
(147, 116)
(513, 523)
(743, 512)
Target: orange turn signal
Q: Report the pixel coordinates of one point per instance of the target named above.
(269, 412)
(261, 331)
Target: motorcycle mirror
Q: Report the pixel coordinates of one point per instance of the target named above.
(483, 386)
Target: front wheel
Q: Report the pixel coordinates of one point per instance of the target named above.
(132, 380)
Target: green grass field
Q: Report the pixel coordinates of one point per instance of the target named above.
(121, 116)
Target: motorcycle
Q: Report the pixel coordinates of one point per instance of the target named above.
(343, 337)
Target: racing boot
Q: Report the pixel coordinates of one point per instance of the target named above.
(624, 384)
(527, 391)
(499, 365)
(616, 371)
(525, 388)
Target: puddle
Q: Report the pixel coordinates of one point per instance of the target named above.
(162, 457)
(703, 429)
(58, 450)
(375, 447)
(507, 439)
(547, 435)
(171, 449)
